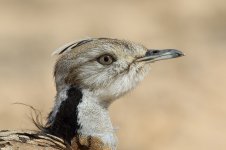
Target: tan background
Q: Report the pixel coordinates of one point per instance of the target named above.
(181, 105)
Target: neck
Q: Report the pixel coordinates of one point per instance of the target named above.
(78, 112)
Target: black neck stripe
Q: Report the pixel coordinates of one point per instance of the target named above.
(65, 124)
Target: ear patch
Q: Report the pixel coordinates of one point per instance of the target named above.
(70, 46)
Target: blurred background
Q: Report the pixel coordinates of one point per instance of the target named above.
(181, 105)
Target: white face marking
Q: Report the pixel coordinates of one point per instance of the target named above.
(122, 84)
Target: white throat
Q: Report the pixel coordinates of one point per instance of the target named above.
(80, 112)
(94, 120)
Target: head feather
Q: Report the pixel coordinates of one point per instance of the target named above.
(69, 46)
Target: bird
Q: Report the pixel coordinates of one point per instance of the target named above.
(89, 74)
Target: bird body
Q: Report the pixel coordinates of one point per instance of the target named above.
(90, 75)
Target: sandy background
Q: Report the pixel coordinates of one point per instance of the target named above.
(181, 105)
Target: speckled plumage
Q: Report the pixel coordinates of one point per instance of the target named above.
(36, 140)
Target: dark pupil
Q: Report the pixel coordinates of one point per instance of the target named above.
(106, 58)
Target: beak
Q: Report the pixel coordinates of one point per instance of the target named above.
(156, 55)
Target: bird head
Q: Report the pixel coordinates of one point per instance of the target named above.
(107, 68)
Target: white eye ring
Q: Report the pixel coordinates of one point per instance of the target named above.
(105, 59)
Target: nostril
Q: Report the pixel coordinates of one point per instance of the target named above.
(151, 52)
(155, 51)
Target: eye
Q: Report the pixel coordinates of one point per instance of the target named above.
(105, 59)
